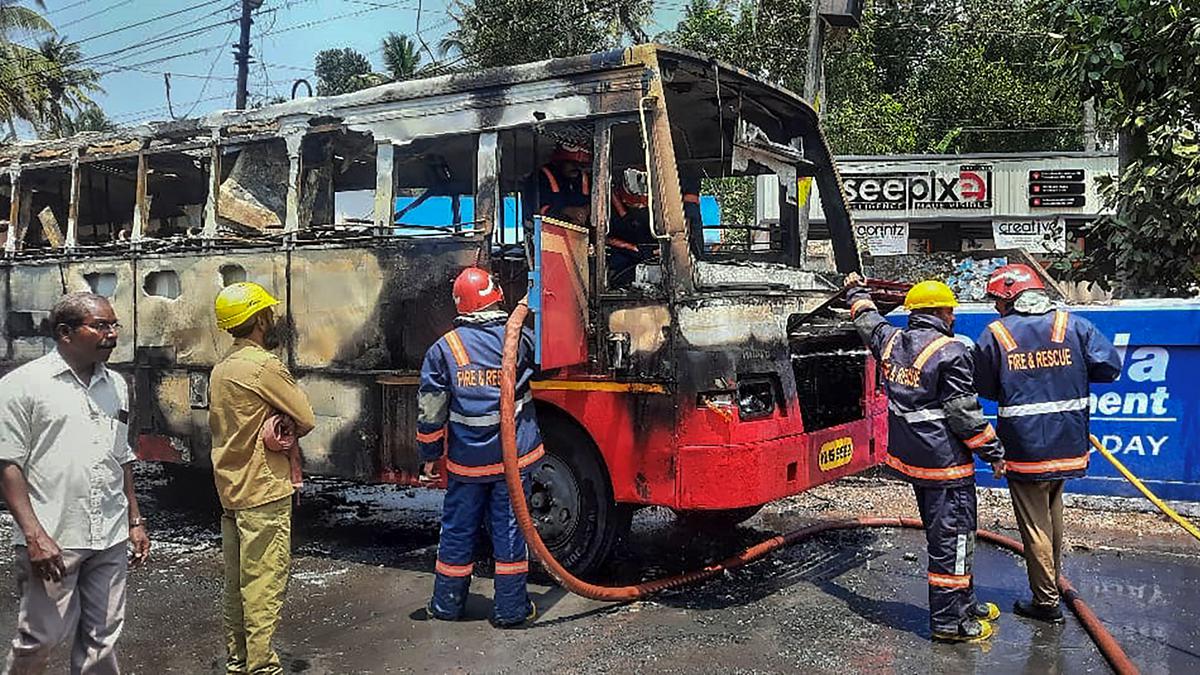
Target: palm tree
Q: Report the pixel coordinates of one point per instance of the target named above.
(64, 84)
(92, 118)
(401, 56)
(17, 62)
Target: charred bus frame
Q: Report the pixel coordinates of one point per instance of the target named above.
(696, 389)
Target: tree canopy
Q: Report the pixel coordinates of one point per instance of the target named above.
(913, 78)
(41, 85)
(505, 32)
(1140, 59)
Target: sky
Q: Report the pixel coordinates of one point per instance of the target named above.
(285, 37)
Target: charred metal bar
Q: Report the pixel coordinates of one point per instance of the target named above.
(73, 202)
(601, 180)
(14, 210)
(294, 141)
(209, 230)
(385, 185)
(141, 208)
(488, 199)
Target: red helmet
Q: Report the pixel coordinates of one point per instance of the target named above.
(1010, 281)
(566, 152)
(474, 289)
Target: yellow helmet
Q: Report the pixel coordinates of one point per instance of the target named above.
(928, 295)
(237, 303)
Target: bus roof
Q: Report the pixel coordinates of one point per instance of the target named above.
(677, 67)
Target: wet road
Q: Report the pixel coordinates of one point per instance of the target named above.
(846, 602)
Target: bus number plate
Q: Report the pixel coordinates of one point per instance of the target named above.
(835, 453)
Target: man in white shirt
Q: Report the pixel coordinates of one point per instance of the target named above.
(66, 474)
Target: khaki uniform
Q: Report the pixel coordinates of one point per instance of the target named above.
(255, 487)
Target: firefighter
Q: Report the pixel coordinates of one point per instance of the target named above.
(459, 413)
(564, 184)
(691, 214)
(934, 422)
(629, 239)
(1036, 361)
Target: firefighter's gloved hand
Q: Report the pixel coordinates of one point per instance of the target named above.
(854, 279)
(998, 468)
(429, 472)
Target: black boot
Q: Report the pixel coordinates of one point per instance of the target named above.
(1030, 610)
(529, 618)
(970, 630)
(986, 611)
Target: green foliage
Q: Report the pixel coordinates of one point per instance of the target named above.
(92, 118)
(507, 32)
(401, 56)
(966, 76)
(341, 71)
(1140, 59)
(62, 85)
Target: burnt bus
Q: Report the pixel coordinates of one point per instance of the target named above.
(694, 384)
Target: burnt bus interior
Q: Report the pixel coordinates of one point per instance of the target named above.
(747, 145)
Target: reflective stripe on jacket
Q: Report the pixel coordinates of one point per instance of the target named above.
(1037, 367)
(458, 400)
(557, 192)
(934, 418)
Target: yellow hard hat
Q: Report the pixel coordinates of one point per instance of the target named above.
(237, 303)
(928, 295)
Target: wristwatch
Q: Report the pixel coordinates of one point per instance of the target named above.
(136, 522)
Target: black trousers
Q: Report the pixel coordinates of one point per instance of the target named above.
(950, 516)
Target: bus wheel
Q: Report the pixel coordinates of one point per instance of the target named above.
(719, 519)
(571, 501)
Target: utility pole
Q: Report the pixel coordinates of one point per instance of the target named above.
(241, 51)
(814, 93)
(1089, 125)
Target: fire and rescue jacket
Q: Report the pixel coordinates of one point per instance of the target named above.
(556, 191)
(629, 227)
(691, 213)
(458, 399)
(1037, 367)
(934, 417)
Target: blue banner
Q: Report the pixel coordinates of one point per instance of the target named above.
(1150, 417)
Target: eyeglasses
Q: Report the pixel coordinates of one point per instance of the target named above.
(103, 326)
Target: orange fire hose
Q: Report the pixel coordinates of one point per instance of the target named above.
(1104, 640)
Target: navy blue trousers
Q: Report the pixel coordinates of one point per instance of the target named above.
(466, 506)
(950, 518)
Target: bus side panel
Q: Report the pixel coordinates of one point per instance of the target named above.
(634, 434)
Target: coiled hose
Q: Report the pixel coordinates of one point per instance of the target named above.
(512, 475)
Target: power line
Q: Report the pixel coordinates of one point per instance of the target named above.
(209, 79)
(93, 15)
(144, 22)
(66, 7)
(161, 42)
(375, 7)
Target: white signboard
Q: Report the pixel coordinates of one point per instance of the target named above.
(1035, 235)
(882, 238)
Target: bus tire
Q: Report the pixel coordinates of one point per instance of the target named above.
(718, 519)
(571, 500)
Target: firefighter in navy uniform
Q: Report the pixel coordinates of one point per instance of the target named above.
(692, 215)
(564, 189)
(934, 423)
(458, 404)
(629, 239)
(1036, 361)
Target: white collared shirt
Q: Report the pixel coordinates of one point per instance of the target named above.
(71, 439)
